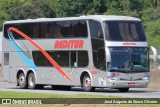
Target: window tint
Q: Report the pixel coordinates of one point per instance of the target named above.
(40, 60)
(73, 59)
(99, 59)
(59, 29)
(6, 58)
(82, 58)
(124, 31)
(15, 35)
(79, 58)
(62, 29)
(53, 30)
(95, 29)
(95, 61)
(28, 29)
(97, 44)
(63, 58)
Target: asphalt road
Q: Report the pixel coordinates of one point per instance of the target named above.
(132, 93)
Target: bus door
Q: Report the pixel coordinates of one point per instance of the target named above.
(101, 59)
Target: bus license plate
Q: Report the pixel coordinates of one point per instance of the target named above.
(131, 84)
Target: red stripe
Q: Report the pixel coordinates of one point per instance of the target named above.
(43, 52)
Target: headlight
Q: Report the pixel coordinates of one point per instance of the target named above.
(113, 78)
(113, 75)
(146, 76)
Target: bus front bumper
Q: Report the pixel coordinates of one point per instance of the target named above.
(129, 84)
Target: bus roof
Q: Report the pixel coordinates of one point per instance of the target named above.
(95, 17)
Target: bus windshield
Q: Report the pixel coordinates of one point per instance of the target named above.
(129, 59)
(124, 31)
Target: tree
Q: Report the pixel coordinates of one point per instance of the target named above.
(8, 5)
(3, 17)
(26, 11)
(69, 8)
(31, 10)
(154, 3)
(72, 8)
(100, 6)
(45, 7)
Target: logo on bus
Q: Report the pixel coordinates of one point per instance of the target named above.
(129, 43)
(69, 44)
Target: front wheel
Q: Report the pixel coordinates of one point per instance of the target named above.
(87, 83)
(123, 89)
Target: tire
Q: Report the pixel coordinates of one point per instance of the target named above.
(22, 81)
(123, 89)
(32, 82)
(87, 84)
(57, 87)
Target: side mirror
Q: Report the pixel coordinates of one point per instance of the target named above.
(155, 56)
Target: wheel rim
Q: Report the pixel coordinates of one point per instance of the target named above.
(21, 80)
(31, 81)
(87, 82)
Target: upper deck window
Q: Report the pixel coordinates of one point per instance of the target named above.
(56, 29)
(124, 31)
(95, 29)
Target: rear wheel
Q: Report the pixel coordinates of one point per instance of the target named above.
(32, 82)
(22, 81)
(123, 89)
(87, 83)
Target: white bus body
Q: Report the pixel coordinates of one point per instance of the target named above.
(89, 51)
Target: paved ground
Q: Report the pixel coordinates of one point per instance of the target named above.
(133, 93)
(152, 92)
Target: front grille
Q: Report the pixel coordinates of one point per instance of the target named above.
(130, 79)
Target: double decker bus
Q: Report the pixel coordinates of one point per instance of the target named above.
(96, 51)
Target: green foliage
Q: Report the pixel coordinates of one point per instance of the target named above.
(72, 8)
(31, 10)
(25, 11)
(8, 5)
(45, 7)
(3, 17)
(12, 94)
(153, 33)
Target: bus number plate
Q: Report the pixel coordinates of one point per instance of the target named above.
(131, 84)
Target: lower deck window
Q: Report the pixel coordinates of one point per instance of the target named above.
(62, 58)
